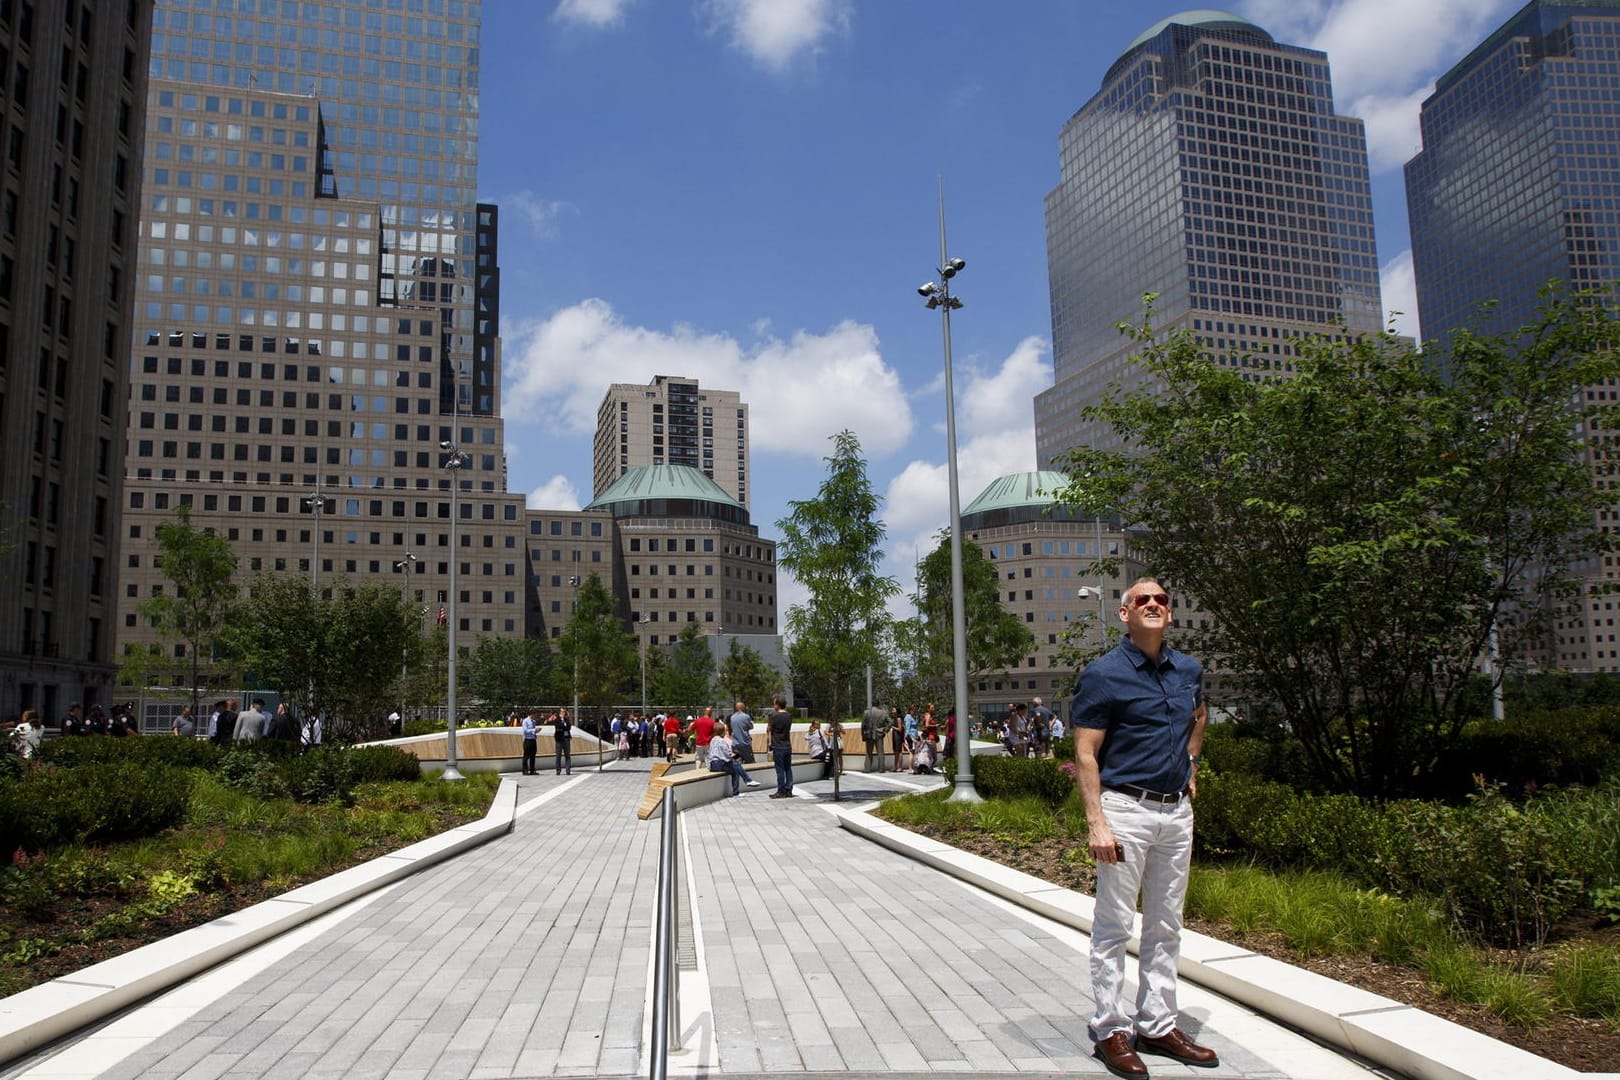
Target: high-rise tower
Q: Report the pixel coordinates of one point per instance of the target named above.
(1211, 169)
(672, 421)
(1517, 185)
(72, 92)
(316, 302)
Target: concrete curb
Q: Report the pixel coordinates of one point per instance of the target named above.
(1386, 1032)
(40, 1014)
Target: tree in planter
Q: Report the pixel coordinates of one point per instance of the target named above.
(833, 545)
(996, 638)
(686, 681)
(597, 648)
(199, 564)
(507, 673)
(336, 657)
(1358, 530)
(745, 676)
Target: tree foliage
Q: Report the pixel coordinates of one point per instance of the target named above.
(996, 638)
(832, 544)
(196, 612)
(339, 657)
(597, 646)
(1355, 531)
(506, 673)
(745, 676)
(686, 681)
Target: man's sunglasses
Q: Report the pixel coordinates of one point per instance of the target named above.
(1141, 599)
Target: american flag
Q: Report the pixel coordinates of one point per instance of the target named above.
(442, 617)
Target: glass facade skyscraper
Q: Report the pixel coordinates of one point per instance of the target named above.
(1518, 181)
(1518, 184)
(316, 302)
(1211, 169)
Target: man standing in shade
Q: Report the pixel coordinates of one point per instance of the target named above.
(1138, 718)
(874, 726)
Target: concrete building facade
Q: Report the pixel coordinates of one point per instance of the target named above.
(72, 97)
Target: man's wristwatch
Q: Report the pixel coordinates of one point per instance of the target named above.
(1194, 758)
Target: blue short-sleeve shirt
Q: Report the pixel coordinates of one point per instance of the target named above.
(1147, 710)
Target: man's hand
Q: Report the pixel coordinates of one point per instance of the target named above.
(1104, 848)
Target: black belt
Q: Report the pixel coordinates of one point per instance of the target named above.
(1144, 795)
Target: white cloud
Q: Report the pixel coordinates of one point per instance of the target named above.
(1399, 287)
(1385, 55)
(592, 13)
(540, 214)
(995, 436)
(558, 493)
(775, 32)
(799, 390)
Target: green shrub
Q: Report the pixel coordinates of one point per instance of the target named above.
(423, 727)
(1001, 777)
(157, 749)
(125, 800)
(368, 764)
(253, 774)
(325, 774)
(1569, 746)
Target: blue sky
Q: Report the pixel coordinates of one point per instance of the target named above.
(744, 191)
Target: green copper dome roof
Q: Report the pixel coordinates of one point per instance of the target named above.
(646, 482)
(1222, 20)
(1019, 489)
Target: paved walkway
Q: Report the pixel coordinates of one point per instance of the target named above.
(812, 952)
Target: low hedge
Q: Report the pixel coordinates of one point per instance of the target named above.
(1505, 872)
(73, 751)
(1533, 750)
(92, 803)
(321, 774)
(996, 776)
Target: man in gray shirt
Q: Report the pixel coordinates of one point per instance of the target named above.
(251, 722)
(742, 735)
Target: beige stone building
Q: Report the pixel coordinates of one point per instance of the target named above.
(672, 421)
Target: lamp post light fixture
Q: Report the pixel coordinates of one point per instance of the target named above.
(314, 503)
(938, 295)
(454, 461)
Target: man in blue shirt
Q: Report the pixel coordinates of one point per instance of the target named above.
(531, 740)
(1138, 718)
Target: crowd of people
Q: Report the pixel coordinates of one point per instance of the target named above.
(1026, 730)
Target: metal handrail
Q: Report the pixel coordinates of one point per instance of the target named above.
(666, 1018)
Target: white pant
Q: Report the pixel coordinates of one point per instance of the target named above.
(1158, 854)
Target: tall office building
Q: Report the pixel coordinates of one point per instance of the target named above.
(72, 93)
(672, 421)
(1211, 169)
(316, 303)
(1518, 184)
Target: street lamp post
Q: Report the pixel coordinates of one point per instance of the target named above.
(314, 503)
(454, 461)
(408, 566)
(938, 295)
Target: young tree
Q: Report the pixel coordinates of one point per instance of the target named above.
(506, 673)
(337, 657)
(745, 676)
(833, 545)
(687, 681)
(596, 647)
(996, 638)
(199, 564)
(1356, 532)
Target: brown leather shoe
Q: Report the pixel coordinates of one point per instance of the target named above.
(1117, 1055)
(1175, 1044)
